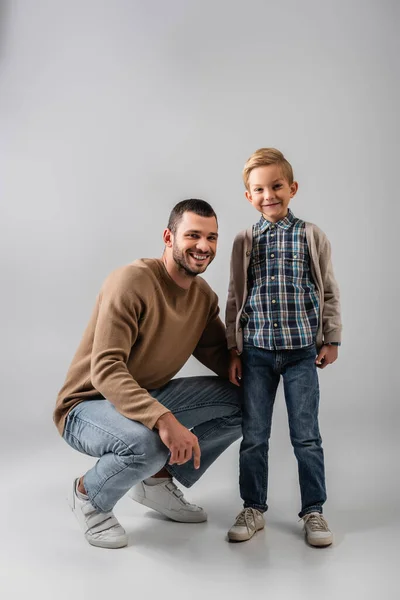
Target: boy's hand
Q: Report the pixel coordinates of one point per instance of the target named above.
(327, 355)
(235, 368)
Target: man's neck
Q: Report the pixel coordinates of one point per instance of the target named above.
(180, 277)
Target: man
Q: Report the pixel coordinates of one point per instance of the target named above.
(119, 402)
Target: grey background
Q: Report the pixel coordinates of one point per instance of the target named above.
(110, 113)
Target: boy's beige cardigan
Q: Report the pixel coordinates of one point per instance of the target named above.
(330, 326)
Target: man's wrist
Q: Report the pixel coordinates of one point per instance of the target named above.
(165, 418)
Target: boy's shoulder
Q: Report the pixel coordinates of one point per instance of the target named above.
(312, 230)
(243, 235)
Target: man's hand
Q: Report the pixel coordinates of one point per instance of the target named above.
(235, 368)
(327, 355)
(181, 442)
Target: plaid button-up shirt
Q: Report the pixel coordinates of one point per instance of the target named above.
(281, 312)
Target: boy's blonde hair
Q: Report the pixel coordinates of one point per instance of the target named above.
(267, 156)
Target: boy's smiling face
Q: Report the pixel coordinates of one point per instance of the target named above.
(270, 192)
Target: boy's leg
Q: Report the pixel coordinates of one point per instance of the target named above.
(301, 387)
(210, 406)
(260, 380)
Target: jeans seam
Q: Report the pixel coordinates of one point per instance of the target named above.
(135, 456)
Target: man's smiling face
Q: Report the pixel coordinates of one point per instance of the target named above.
(194, 243)
(270, 192)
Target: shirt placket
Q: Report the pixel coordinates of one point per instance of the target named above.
(273, 288)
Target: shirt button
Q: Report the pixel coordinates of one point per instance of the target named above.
(272, 226)
(275, 324)
(272, 234)
(273, 301)
(272, 277)
(248, 252)
(294, 255)
(272, 255)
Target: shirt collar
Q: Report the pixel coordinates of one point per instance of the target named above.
(285, 223)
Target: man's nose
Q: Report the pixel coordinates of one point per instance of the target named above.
(203, 245)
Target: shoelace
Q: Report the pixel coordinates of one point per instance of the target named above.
(247, 518)
(316, 522)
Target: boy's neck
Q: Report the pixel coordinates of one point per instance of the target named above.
(274, 221)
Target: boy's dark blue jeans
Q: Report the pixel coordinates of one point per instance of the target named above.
(261, 371)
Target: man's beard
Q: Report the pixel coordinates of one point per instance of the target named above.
(179, 257)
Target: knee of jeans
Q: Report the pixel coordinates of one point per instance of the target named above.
(155, 453)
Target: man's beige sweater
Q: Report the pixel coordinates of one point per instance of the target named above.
(143, 329)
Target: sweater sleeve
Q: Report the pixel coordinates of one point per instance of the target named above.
(231, 307)
(116, 331)
(331, 318)
(211, 350)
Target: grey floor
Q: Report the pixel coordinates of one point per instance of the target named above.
(44, 555)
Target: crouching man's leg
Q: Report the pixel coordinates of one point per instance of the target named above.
(210, 407)
(128, 452)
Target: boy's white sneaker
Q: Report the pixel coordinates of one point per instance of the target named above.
(100, 529)
(317, 530)
(248, 522)
(167, 499)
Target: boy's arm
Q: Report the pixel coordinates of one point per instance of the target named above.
(231, 308)
(331, 318)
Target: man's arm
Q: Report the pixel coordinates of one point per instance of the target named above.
(116, 331)
(211, 349)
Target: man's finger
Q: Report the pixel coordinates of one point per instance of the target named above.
(196, 455)
(174, 457)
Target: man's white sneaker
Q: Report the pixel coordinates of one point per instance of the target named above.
(100, 529)
(168, 500)
(247, 523)
(317, 530)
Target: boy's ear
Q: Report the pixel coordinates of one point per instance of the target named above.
(247, 195)
(293, 188)
(168, 237)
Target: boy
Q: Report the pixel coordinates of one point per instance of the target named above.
(282, 318)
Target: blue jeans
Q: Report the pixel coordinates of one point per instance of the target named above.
(129, 452)
(260, 378)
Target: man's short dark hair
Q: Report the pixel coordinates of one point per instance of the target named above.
(199, 207)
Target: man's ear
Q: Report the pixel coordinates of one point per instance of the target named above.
(168, 237)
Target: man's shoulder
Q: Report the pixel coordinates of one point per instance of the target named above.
(140, 274)
(204, 288)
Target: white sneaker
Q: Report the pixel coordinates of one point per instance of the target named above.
(317, 530)
(168, 500)
(100, 529)
(247, 523)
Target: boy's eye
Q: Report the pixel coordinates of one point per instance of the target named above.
(278, 185)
